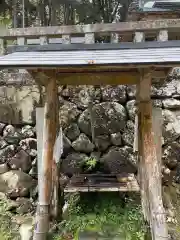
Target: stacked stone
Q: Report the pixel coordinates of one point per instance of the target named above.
(113, 115)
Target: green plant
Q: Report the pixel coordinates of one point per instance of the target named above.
(104, 214)
(89, 163)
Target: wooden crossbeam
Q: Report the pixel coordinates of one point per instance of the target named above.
(92, 78)
(106, 183)
(169, 24)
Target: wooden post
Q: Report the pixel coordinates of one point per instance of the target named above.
(49, 135)
(21, 41)
(151, 174)
(141, 167)
(140, 37)
(57, 195)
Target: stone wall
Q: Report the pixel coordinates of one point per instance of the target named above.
(113, 116)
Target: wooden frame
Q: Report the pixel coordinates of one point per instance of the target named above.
(141, 75)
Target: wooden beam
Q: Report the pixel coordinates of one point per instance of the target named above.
(49, 135)
(120, 27)
(91, 78)
(150, 171)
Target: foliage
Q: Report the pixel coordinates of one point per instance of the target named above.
(104, 214)
(5, 223)
(66, 12)
(89, 164)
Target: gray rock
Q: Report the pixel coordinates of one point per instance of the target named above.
(82, 95)
(11, 135)
(164, 89)
(114, 93)
(171, 125)
(171, 155)
(130, 125)
(24, 206)
(117, 160)
(21, 161)
(102, 142)
(131, 91)
(34, 172)
(9, 130)
(83, 144)
(7, 153)
(72, 131)
(29, 145)
(3, 143)
(116, 139)
(171, 103)
(108, 117)
(131, 109)
(128, 137)
(28, 131)
(16, 181)
(157, 103)
(66, 146)
(96, 155)
(68, 113)
(2, 126)
(3, 168)
(72, 163)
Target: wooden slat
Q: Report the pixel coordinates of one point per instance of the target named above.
(102, 183)
(169, 24)
(128, 188)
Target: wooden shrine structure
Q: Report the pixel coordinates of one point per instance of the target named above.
(128, 59)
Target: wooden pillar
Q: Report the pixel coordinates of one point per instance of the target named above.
(150, 162)
(49, 135)
(57, 196)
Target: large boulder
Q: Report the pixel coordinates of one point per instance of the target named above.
(72, 163)
(171, 103)
(164, 89)
(82, 95)
(118, 160)
(114, 93)
(116, 139)
(17, 182)
(171, 125)
(66, 146)
(171, 155)
(72, 131)
(11, 135)
(28, 131)
(68, 113)
(108, 117)
(21, 161)
(102, 142)
(30, 146)
(83, 144)
(7, 153)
